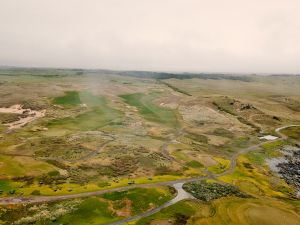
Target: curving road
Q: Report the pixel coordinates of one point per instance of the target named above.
(177, 184)
(181, 195)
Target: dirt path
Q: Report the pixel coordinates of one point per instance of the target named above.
(182, 194)
(177, 184)
(16, 155)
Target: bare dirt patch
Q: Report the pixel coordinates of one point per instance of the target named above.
(125, 211)
(25, 116)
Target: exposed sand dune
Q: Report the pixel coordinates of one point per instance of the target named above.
(26, 115)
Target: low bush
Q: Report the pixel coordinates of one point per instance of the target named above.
(209, 191)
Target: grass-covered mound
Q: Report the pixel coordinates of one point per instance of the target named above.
(210, 191)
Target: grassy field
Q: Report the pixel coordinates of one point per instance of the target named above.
(94, 210)
(178, 214)
(150, 111)
(105, 129)
(223, 165)
(98, 114)
(71, 98)
(253, 176)
(229, 210)
(249, 211)
(292, 132)
(20, 166)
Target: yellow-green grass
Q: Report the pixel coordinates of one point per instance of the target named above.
(183, 152)
(71, 98)
(179, 154)
(150, 111)
(6, 186)
(180, 210)
(72, 188)
(100, 209)
(194, 172)
(273, 145)
(237, 211)
(228, 210)
(223, 165)
(23, 166)
(178, 151)
(256, 180)
(292, 132)
(268, 150)
(194, 164)
(99, 114)
(91, 211)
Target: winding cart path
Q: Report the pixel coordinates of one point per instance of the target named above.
(177, 184)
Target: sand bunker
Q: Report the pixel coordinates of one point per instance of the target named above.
(268, 138)
(26, 115)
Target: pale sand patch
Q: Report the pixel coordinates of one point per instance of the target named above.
(26, 115)
(63, 172)
(217, 140)
(162, 222)
(268, 138)
(207, 160)
(202, 114)
(125, 211)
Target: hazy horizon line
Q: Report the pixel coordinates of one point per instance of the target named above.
(147, 71)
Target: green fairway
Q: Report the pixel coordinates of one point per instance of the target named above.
(150, 111)
(100, 113)
(70, 98)
(90, 211)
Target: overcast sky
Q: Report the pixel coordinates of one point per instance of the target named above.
(169, 35)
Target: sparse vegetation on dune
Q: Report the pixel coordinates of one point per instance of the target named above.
(210, 191)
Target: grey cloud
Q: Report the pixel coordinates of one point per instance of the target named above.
(169, 35)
